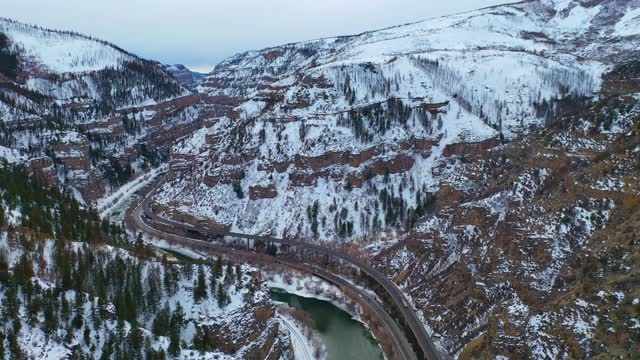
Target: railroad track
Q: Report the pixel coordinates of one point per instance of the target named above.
(430, 352)
(305, 355)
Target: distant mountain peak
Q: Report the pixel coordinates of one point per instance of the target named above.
(185, 75)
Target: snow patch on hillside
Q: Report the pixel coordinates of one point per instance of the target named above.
(629, 25)
(59, 52)
(578, 19)
(12, 156)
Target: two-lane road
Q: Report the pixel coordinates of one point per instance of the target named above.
(410, 317)
(135, 220)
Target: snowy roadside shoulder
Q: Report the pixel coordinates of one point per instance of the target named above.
(107, 205)
(182, 250)
(305, 341)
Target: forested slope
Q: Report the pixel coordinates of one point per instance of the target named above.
(73, 286)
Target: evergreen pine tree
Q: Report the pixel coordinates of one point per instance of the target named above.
(78, 321)
(136, 338)
(139, 242)
(14, 347)
(218, 268)
(161, 323)
(150, 354)
(11, 303)
(178, 317)
(213, 280)
(4, 270)
(222, 296)
(228, 279)
(238, 276)
(65, 311)
(200, 290)
(2, 352)
(187, 270)
(50, 321)
(174, 343)
(23, 271)
(87, 335)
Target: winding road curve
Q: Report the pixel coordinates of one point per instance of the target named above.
(297, 337)
(411, 318)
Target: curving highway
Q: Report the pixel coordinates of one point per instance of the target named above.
(424, 341)
(301, 351)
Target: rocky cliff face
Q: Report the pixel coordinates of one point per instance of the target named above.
(95, 111)
(356, 123)
(487, 162)
(530, 247)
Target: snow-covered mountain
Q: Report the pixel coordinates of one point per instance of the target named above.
(486, 162)
(339, 120)
(47, 51)
(85, 114)
(189, 78)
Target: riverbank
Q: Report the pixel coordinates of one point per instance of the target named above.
(335, 316)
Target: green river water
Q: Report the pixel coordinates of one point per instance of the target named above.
(344, 337)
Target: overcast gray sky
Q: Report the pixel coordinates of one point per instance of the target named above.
(201, 33)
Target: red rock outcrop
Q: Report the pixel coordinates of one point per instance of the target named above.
(262, 192)
(225, 175)
(473, 149)
(74, 155)
(44, 169)
(306, 176)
